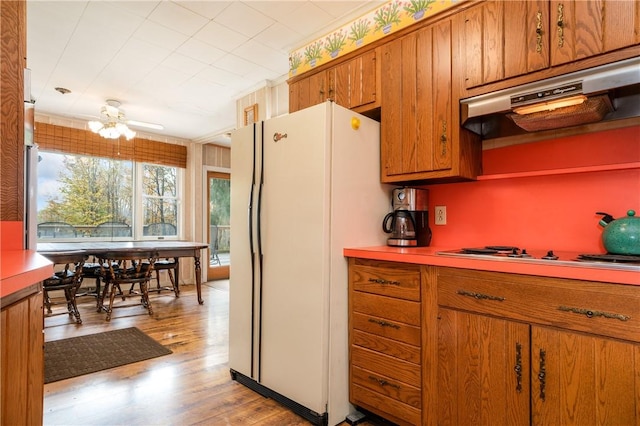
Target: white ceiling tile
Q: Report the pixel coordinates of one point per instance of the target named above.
(279, 37)
(178, 18)
(185, 64)
(307, 19)
(201, 51)
(220, 36)
(160, 35)
(208, 9)
(243, 19)
(141, 8)
(235, 64)
(140, 50)
(264, 56)
(275, 9)
(217, 75)
(167, 61)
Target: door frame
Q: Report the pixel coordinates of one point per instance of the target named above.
(221, 272)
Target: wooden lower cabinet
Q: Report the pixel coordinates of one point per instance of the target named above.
(385, 318)
(22, 359)
(513, 350)
(448, 346)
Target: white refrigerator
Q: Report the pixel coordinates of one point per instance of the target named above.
(303, 187)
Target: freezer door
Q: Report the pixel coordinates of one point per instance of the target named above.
(295, 225)
(242, 307)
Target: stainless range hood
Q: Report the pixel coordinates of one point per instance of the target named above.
(602, 93)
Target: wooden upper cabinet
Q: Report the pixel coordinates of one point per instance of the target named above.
(504, 39)
(581, 29)
(420, 134)
(363, 79)
(351, 84)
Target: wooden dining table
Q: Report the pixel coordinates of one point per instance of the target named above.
(175, 249)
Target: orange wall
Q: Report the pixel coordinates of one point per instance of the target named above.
(551, 211)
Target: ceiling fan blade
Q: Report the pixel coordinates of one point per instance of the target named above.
(145, 124)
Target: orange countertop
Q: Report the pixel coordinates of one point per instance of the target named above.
(573, 270)
(20, 269)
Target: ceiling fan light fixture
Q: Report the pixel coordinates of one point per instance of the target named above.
(113, 123)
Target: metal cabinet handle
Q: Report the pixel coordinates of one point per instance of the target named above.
(383, 281)
(518, 367)
(480, 295)
(589, 313)
(560, 25)
(384, 323)
(383, 382)
(539, 32)
(542, 374)
(443, 138)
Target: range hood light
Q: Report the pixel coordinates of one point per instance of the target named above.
(550, 105)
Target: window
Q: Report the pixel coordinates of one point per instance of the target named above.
(159, 200)
(92, 197)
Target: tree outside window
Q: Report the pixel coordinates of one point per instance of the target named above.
(160, 202)
(83, 192)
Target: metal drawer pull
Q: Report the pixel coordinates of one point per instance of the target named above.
(383, 382)
(480, 295)
(383, 323)
(383, 281)
(539, 32)
(590, 314)
(560, 25)
(542, 375)
(518, 367)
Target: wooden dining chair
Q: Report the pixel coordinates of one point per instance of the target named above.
(119, 269)
(171, 265)
(67, 280)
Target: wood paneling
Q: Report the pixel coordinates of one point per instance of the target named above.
(22, 359)
(217, 156)
(13, 47)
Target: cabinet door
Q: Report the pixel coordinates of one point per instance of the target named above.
(416, 103)
(580, 379)
(483, 370)
(363, 80)
(504, 39)
(298, 95)
(397, 151)
(442, 129)
(320, 88)
(341, 89)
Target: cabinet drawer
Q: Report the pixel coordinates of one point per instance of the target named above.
(387, 279)
(388, 366)
(385, 328)
(389, 347)
(599, 308)
(389, 408)
(386, 307)
(410, 395)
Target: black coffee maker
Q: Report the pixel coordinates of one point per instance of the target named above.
(408, 223)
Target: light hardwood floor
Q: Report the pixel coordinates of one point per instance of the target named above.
(191, 386)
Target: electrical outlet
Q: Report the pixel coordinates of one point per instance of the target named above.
(441, 215)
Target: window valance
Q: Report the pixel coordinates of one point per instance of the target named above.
(78, 141)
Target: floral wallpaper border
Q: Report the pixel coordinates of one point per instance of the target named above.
(380, 22)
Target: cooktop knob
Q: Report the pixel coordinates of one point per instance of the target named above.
(550, 256)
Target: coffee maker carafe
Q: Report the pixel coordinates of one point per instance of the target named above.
(408, 223)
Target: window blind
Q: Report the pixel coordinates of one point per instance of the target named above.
(83, 142)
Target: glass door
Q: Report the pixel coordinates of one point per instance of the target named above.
(219, 196)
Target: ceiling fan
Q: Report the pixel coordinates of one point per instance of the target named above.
(114, 124)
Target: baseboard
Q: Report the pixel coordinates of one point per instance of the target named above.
(310, 415)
